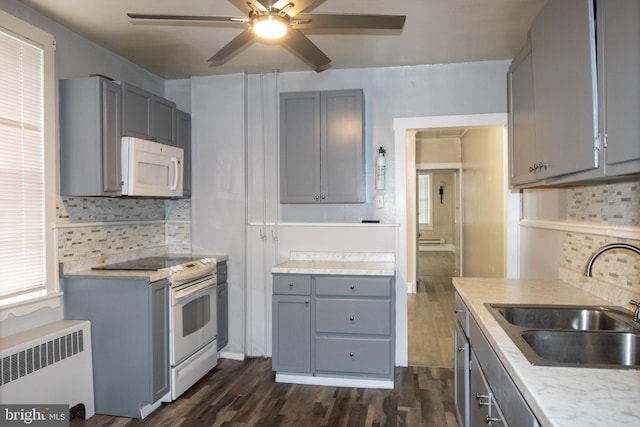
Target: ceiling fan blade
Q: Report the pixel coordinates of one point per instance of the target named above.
(240, 41)
(202, 18)
(301, 45)
(294, 6)
(330, 20)
(250, 5)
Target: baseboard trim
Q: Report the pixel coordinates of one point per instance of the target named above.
(333, 381)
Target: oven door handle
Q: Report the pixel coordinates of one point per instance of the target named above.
(187, 291)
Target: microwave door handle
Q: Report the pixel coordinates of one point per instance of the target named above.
(174, 160)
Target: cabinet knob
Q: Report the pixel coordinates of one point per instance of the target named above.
(291, 285)
(460, 348)
(352, 286)
(459, 310)
(324, 197)
(351, 317)
(306, 301)
(317, 197)
(351, 354)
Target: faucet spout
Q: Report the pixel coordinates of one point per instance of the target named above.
(606, 248)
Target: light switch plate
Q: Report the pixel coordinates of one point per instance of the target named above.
(379, 201)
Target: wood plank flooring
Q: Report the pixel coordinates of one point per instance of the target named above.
(244, 393)
(431, 312)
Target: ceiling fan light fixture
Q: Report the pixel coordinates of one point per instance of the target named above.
(270, 26)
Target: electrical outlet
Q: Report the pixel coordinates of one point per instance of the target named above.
(379, 201)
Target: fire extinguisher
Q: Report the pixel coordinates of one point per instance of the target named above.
(380, 167)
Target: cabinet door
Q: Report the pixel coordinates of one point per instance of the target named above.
(291, 333)
(159, 294)
(522, 149)
(111, 131)
(300, 147)
(222, 313)
(619, 59)
(563, 49)
(163, 121)
(136, 111)
(461, 375)
(342, 154)
(480, 397)
(183, 140)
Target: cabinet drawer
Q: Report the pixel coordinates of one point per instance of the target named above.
(292, 284)
(351, 316)
(221, 272)
(354, 355)
(357, 286)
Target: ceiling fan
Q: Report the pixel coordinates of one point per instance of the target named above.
(283, 20)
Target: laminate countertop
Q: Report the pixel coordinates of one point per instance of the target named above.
(338, 263)
(558, 396)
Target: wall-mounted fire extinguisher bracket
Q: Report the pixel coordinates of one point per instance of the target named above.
(380, 169)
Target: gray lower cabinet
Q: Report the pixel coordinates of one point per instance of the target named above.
(147, 116)
(90, 132)
(130, 339)
(339, 326)
(484, 392)
(322, 147)
(291, 349)
(222, 302)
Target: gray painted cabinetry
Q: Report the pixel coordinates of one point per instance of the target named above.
(222, 306)
(322, 147)
(130, 338)
(484, 393)
(573, 113)
(148, 116)
(90, 131)
(334, 325)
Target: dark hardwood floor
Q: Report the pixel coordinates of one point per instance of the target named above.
(244, 393)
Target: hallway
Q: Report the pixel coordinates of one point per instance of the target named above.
(431, 311)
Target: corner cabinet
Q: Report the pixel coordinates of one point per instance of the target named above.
(147, 116)
(322, 147)
(334, 326)
(130, 338)
(90, 132)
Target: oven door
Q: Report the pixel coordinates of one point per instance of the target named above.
(194, 320)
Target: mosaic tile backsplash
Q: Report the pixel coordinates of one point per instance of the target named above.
(616, 273)
(118, 225)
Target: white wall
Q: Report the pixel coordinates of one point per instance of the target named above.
(233, 134)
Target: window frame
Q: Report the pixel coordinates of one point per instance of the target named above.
(47, 42)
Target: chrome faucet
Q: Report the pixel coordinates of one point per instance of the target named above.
(596, 254)
(606, 248)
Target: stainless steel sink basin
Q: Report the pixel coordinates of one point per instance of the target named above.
(593, 349)
(567, 335)
(561, 317)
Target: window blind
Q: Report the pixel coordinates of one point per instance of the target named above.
(424, 198)
(22, 166)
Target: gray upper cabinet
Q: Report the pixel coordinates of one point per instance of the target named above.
(583, 95)
(147, 116)
(619, 58)
(564, 81)
(90, 131)
(321, 147)
(522, 141)
(183, 140)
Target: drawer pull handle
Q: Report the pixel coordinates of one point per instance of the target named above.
(482, 402)
(351, 317)
(459, 310)
(460, 348)
(351, 354)
(352, 286)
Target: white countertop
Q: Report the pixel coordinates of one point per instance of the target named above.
(354, 268)
(558, 396)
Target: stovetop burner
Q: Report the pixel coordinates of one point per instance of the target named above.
(151, 263)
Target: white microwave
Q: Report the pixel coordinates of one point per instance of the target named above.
(151, 169)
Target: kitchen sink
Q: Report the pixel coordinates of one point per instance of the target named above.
(592, 349)
(562, 317)
(569, 335)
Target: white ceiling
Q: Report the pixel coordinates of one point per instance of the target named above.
(435, 32)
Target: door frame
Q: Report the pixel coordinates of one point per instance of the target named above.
(404, 153)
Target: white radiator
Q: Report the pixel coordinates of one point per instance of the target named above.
(50, 364)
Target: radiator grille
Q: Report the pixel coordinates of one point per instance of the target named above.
(27, 361)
